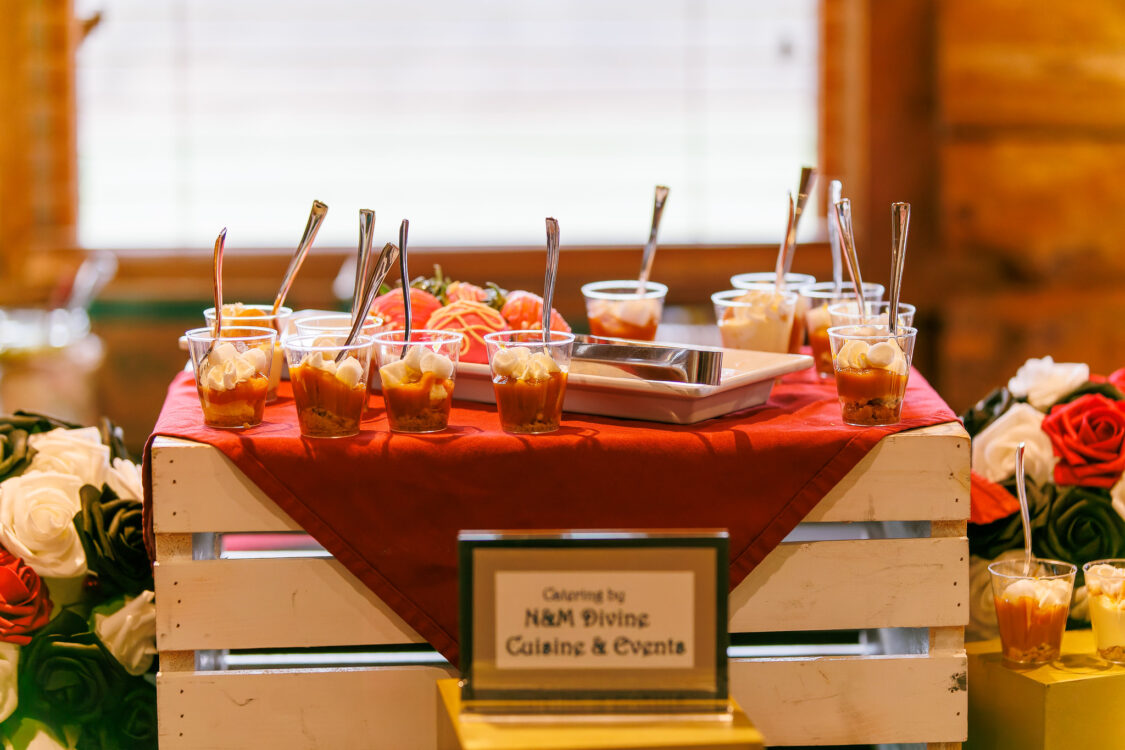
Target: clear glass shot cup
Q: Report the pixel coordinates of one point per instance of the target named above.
(342, 323)
(232, 373)
(847, 313)
(236, 313)
(418, 387)
(613, 308)
(1105, 591)
(758, 318)
(529, 378)
(816, 298)
(792, 281)
(872, 370)
(329, 380)
(1031, 607)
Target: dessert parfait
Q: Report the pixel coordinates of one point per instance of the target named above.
(417, 377)
(816, 298)
(529, 379)
(1105, 587)
(1031, 608)
(232, 374)
(871, 369)
(793, 281)
(760, 318)
(329, 382)
(341, 324)
(617, 310)
(261, 316)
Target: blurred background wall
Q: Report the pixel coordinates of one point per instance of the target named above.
(1001, 122)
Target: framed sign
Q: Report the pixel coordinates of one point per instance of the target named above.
(593, 617)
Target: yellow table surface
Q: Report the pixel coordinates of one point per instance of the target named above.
(481, 734)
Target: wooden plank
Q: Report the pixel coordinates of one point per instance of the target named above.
(304, 602)
(854, 700)
(384, 708)
(201, 490)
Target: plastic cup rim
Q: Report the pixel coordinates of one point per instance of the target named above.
(558, 338)
(827, 290)
(792, 278)
(439, 336)
(1117, 562)
(1034, 561)
(904, 308)
(282, 312)
(726, 297)
(207, 333)
(882, 333)
(653, 290)
(293, 343)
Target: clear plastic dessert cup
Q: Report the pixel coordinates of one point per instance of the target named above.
(232, 373)
(1105, 589)
(872, 369)
(417, 375)
(1031, 607)
(759, 318)
(329, 382)
(847, 313)
(342, 323)
(793, 281)
(615, 309)
(237, 313)
(816, 298)
(529, 378)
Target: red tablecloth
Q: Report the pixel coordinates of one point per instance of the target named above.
(389, 506)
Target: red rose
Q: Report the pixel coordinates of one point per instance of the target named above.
(1088, 436)
(24, 603)
(1117, 378)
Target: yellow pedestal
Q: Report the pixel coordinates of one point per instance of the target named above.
(455, 734)
(1073, 703)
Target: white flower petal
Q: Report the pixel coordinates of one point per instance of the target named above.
(78, 452)
(994, 449)
(124, 478)
(130, 632)
(37, 511)
(9, 694)
(1043, 381)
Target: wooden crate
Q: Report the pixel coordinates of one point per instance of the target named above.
(912, 582)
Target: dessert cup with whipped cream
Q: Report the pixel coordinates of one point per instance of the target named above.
(261, 316)
(616, 310)
(329, 380)
(872, 369)
(418, 385)
(793, 281)
(1031, 607)
(342, 323)
(816, 298)
(529, 378)
(1105, 590)
(758, 318)
(847, 313)
(232, 373)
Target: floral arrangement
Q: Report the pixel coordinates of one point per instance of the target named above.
(77, 612)
(1073, 425)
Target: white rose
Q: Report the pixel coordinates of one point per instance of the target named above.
(1080, 606)
(37, 522)
(124, 478)
(77, 452)
(994, 448)
(9, 694)
(1044, 381)
(130, 632)
(982, 608)
(1118, 496)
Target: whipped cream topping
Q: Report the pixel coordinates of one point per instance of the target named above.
(1045, 592)
(818, 318)
(518, 362)
(349, 371)
(1106, 580)
(225, 367)
(883, 355)
(639, 312)
(758, 304)
(419, 360)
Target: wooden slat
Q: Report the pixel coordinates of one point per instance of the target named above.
(375, 709)
(302, 602)
(201, 490)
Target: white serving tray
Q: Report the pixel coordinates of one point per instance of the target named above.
(747, 380)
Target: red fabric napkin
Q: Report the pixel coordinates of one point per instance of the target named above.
(389, 506)
(990, 501)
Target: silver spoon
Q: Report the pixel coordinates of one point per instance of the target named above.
(782, 251)
(1025, 511)
(844, 225)
(900, 227)
(217, 288)
(371, 287)
(549, 279)
(363, 255)
(316, 218)
(804, 187)
(403, 231)
(650, 246)
(835, 192)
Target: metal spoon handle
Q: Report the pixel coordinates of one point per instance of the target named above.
(835, 192)
(1025, 511)
(549, 279)
(403, 231)
(220, 244)
(783, 251)
(808, 175)
(316, 218)
(900, 227)
(386, 260)
(363, 256)
(650, 246)
(844, 225)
